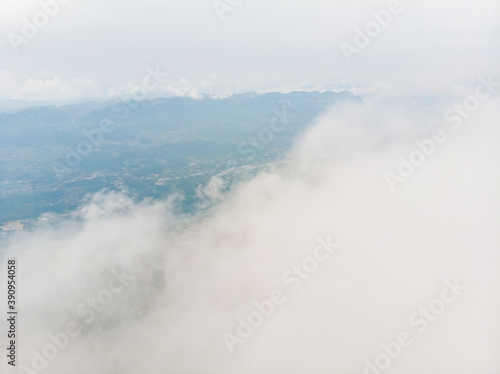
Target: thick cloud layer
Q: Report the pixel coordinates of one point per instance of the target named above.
(143, 290)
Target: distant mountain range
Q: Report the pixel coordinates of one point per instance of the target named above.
(51, 157)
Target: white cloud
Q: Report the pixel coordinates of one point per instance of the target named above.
(193, 280)
(56, 89)
(8, 84)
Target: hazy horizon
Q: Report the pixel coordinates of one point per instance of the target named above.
(340, 216)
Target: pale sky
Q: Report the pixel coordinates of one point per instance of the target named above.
(95, 49)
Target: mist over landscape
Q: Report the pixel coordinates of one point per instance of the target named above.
(191, 277)
(244, 188)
